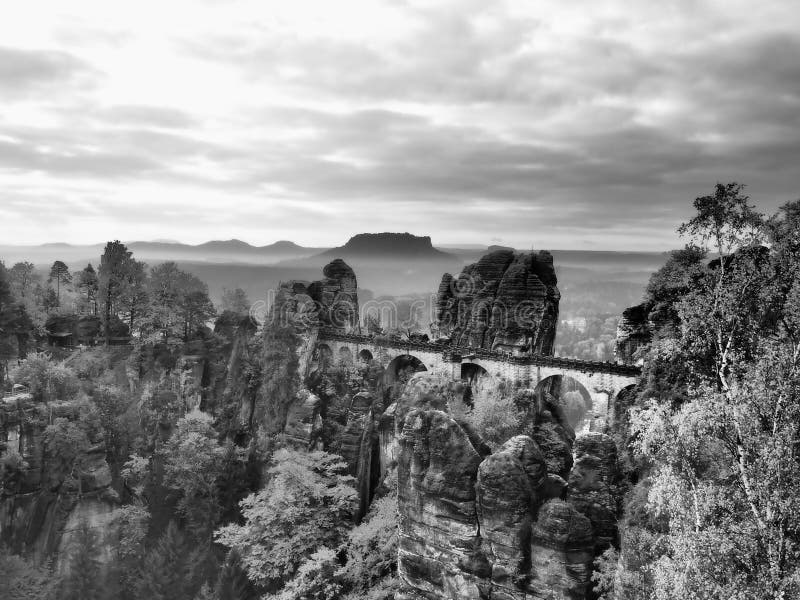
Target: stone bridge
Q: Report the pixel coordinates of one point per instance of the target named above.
(599, 383)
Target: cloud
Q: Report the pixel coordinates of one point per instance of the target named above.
(587, 122)
(27, 71)
(148, 116)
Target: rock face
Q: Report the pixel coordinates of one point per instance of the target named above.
(593, 486)
(475, 525)
(329, 302)
(440, 545)
(509, 493)
(507, 301)
(304, 422)
(633, 331)
(358, 444)
(561, 553)
(38, 499)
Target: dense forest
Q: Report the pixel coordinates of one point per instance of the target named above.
(163, 434)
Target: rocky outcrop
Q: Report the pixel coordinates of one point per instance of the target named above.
(358, 424)
(190, 370)
(479, 525)
(593, 486)
(304, 422)
(330, 302)
(507, 301)
(336, 297)
(440, 552)
(40, 496)
(634, 330)
(358, 421)
(561, 553)
(508, 486)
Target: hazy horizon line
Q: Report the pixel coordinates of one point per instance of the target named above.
(449, 245)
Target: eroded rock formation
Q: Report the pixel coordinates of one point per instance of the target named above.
(475, 525)
(593, 485)
(507, 301)
(634, 330)
(41, 495)
(328, 302)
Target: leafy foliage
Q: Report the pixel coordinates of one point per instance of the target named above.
(715, 428)
(193, 462)
(303, 509)
(22, 580)
(494, 414)
(46, 380)
(371, 547)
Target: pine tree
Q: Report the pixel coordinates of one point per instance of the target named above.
(59, 273)
(232, 581)
(166, 573)
(87, 281)
(115, 265)
(82, 580)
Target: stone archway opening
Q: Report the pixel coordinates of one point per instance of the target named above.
(345, 357)
(573, 399)
(365, 356)
(621, 403)
(324, 357)
(471, 373)
(472, 376)
(402, 367)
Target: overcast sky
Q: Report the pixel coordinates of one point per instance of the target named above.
(550, 124)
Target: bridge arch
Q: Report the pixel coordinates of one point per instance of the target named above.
(621, 402)
(624, 393)
(345, 357)
(324, 356)
(401, 367)
(365, 356)
(472, 372)
(573, 398)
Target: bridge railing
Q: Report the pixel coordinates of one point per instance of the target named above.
(451, 352)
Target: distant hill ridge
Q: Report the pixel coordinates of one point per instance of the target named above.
(239, 245)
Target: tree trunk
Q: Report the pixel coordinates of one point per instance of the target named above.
(108, 316)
